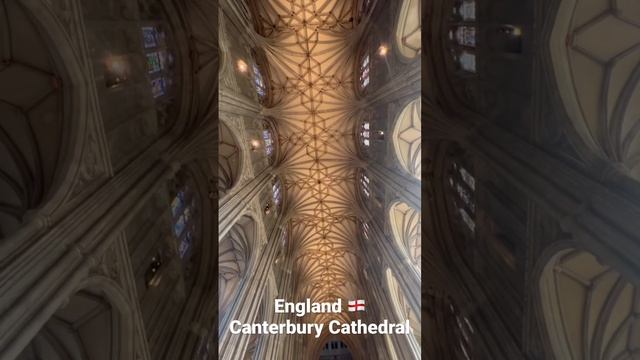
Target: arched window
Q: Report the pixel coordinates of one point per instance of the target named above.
(184, 211)
(463, 35)
(463, 187)
(462, 332)
(407, 137)
(160, 61)
(365, 70)
(277, 192)
(268, 142)
(228, 160)
(406, 227)
(335, 349)
(32, 117)
(590, 310)
(365, 184)
(404, 312)
(234, 256)
(258, 81)
(408, 30)
(466, 9)
(366, 230)
(365, 133)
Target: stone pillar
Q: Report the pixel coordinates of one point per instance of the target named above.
(249, 297)
(232, 207)
(408, 189)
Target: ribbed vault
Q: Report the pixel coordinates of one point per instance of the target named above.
(310, 49)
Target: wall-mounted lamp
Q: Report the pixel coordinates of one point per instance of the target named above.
(255, 144)
(116, 70)
(383, 50)
(242, 66)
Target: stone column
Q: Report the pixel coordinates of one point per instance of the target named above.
(232, 207)
(249, 297)
(408, 189)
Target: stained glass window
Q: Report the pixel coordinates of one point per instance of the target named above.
(365, 230)
(365, 133)
(261, 87)
(158, 87)
(185, 245)
(464, 184)
(277, 192)
(154, 63)
(467, 10)
(468, 178)
(466, 35)
(159, 60)
(149, 37)
(268, 142)
(365, 68)
(467, 61)
(364, 180)
(183, 206)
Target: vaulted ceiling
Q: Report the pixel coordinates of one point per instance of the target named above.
(310, 46)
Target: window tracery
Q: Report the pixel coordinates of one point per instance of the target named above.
(463, 186)
(465, 9)
(365, 133)
(268, 142)
(409, 29)
(365, 71)
(588, 308)
(463, 35)
(365, 184)
(595, 61)
(160, 60)
(463, 331)
(259, 82)
(407, 138)
(277, 192)
(184, 211)
(366, 230)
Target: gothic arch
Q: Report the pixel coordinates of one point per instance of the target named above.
(407, 138)
(589, 310)
(595, 52)
(409, 29)
(41, 120)
(235, 259)
(94, 324)
(406, 223)
(404, 312)
(230, 160)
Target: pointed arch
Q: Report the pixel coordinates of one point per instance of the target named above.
(229, 160)
(235, 255)
(409, 29)
(595, 48)
(404, 312)
(407, 138)
(590, 311)
(406, 225)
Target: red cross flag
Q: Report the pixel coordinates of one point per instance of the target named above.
(356, 305)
